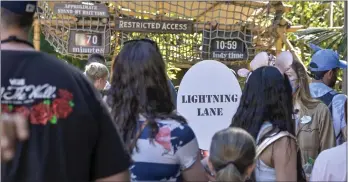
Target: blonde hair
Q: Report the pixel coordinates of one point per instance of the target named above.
(232, 151)
(302, 96)
(95, 71)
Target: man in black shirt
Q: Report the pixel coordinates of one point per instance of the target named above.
(71, 134)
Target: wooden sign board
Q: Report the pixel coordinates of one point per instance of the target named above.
(156, 26)
(95, 10)
(86, 42)
(222, 45)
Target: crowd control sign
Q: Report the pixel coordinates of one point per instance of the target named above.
(208, 98)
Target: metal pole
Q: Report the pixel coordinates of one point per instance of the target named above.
(344, 84)
(331, 14)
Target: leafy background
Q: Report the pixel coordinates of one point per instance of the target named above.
(316, 17)
(308, 13)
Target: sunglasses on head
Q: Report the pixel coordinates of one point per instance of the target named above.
(136, 40)
(144, 40)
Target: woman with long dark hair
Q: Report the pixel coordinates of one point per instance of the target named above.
(163, 146)
(265, 111)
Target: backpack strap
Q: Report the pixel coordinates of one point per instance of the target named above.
(268, 141)
(327, 98)
(333, 94)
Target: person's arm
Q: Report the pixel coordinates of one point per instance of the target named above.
(189, 156)
(338, 113)
(345, 117)
(122, 176)
(285, 159)
(318, 171)
(326, 130)
(110, 160)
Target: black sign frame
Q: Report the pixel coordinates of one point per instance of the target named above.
(104, 47)
(210, 50)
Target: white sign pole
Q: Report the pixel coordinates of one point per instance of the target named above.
(208, 98)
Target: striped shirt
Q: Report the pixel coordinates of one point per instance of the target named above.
(173, 150)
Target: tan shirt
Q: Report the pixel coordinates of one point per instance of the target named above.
(316, 134)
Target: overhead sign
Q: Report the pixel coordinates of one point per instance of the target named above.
(86, 42)
(95, 10)
(208, 98)
(222, 45)
(157, 26)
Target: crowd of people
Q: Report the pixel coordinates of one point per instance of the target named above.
(59, 124)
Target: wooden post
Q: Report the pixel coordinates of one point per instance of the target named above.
(36, 39)
(279, 41)
(290, 47)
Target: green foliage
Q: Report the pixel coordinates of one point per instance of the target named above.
(172, 70)
(316, 14)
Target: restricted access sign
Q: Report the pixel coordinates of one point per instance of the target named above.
(208, 98)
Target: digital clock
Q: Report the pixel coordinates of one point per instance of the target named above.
(227, 45)
(88, 39)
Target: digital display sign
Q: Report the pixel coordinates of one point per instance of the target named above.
(88, 39)
(223, 45)
(87, 42)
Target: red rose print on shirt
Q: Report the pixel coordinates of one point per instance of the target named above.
(40, 114)
(163, 137)
(64, 94)
(61, 108)
(22, 110)
(5, 108)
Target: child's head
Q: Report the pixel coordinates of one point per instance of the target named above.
(232, 154)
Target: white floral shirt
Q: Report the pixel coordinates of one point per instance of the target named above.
(174, 149)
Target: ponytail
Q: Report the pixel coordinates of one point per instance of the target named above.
(232, 152)
(229, 173)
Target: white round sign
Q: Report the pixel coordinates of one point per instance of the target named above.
(208, 98)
